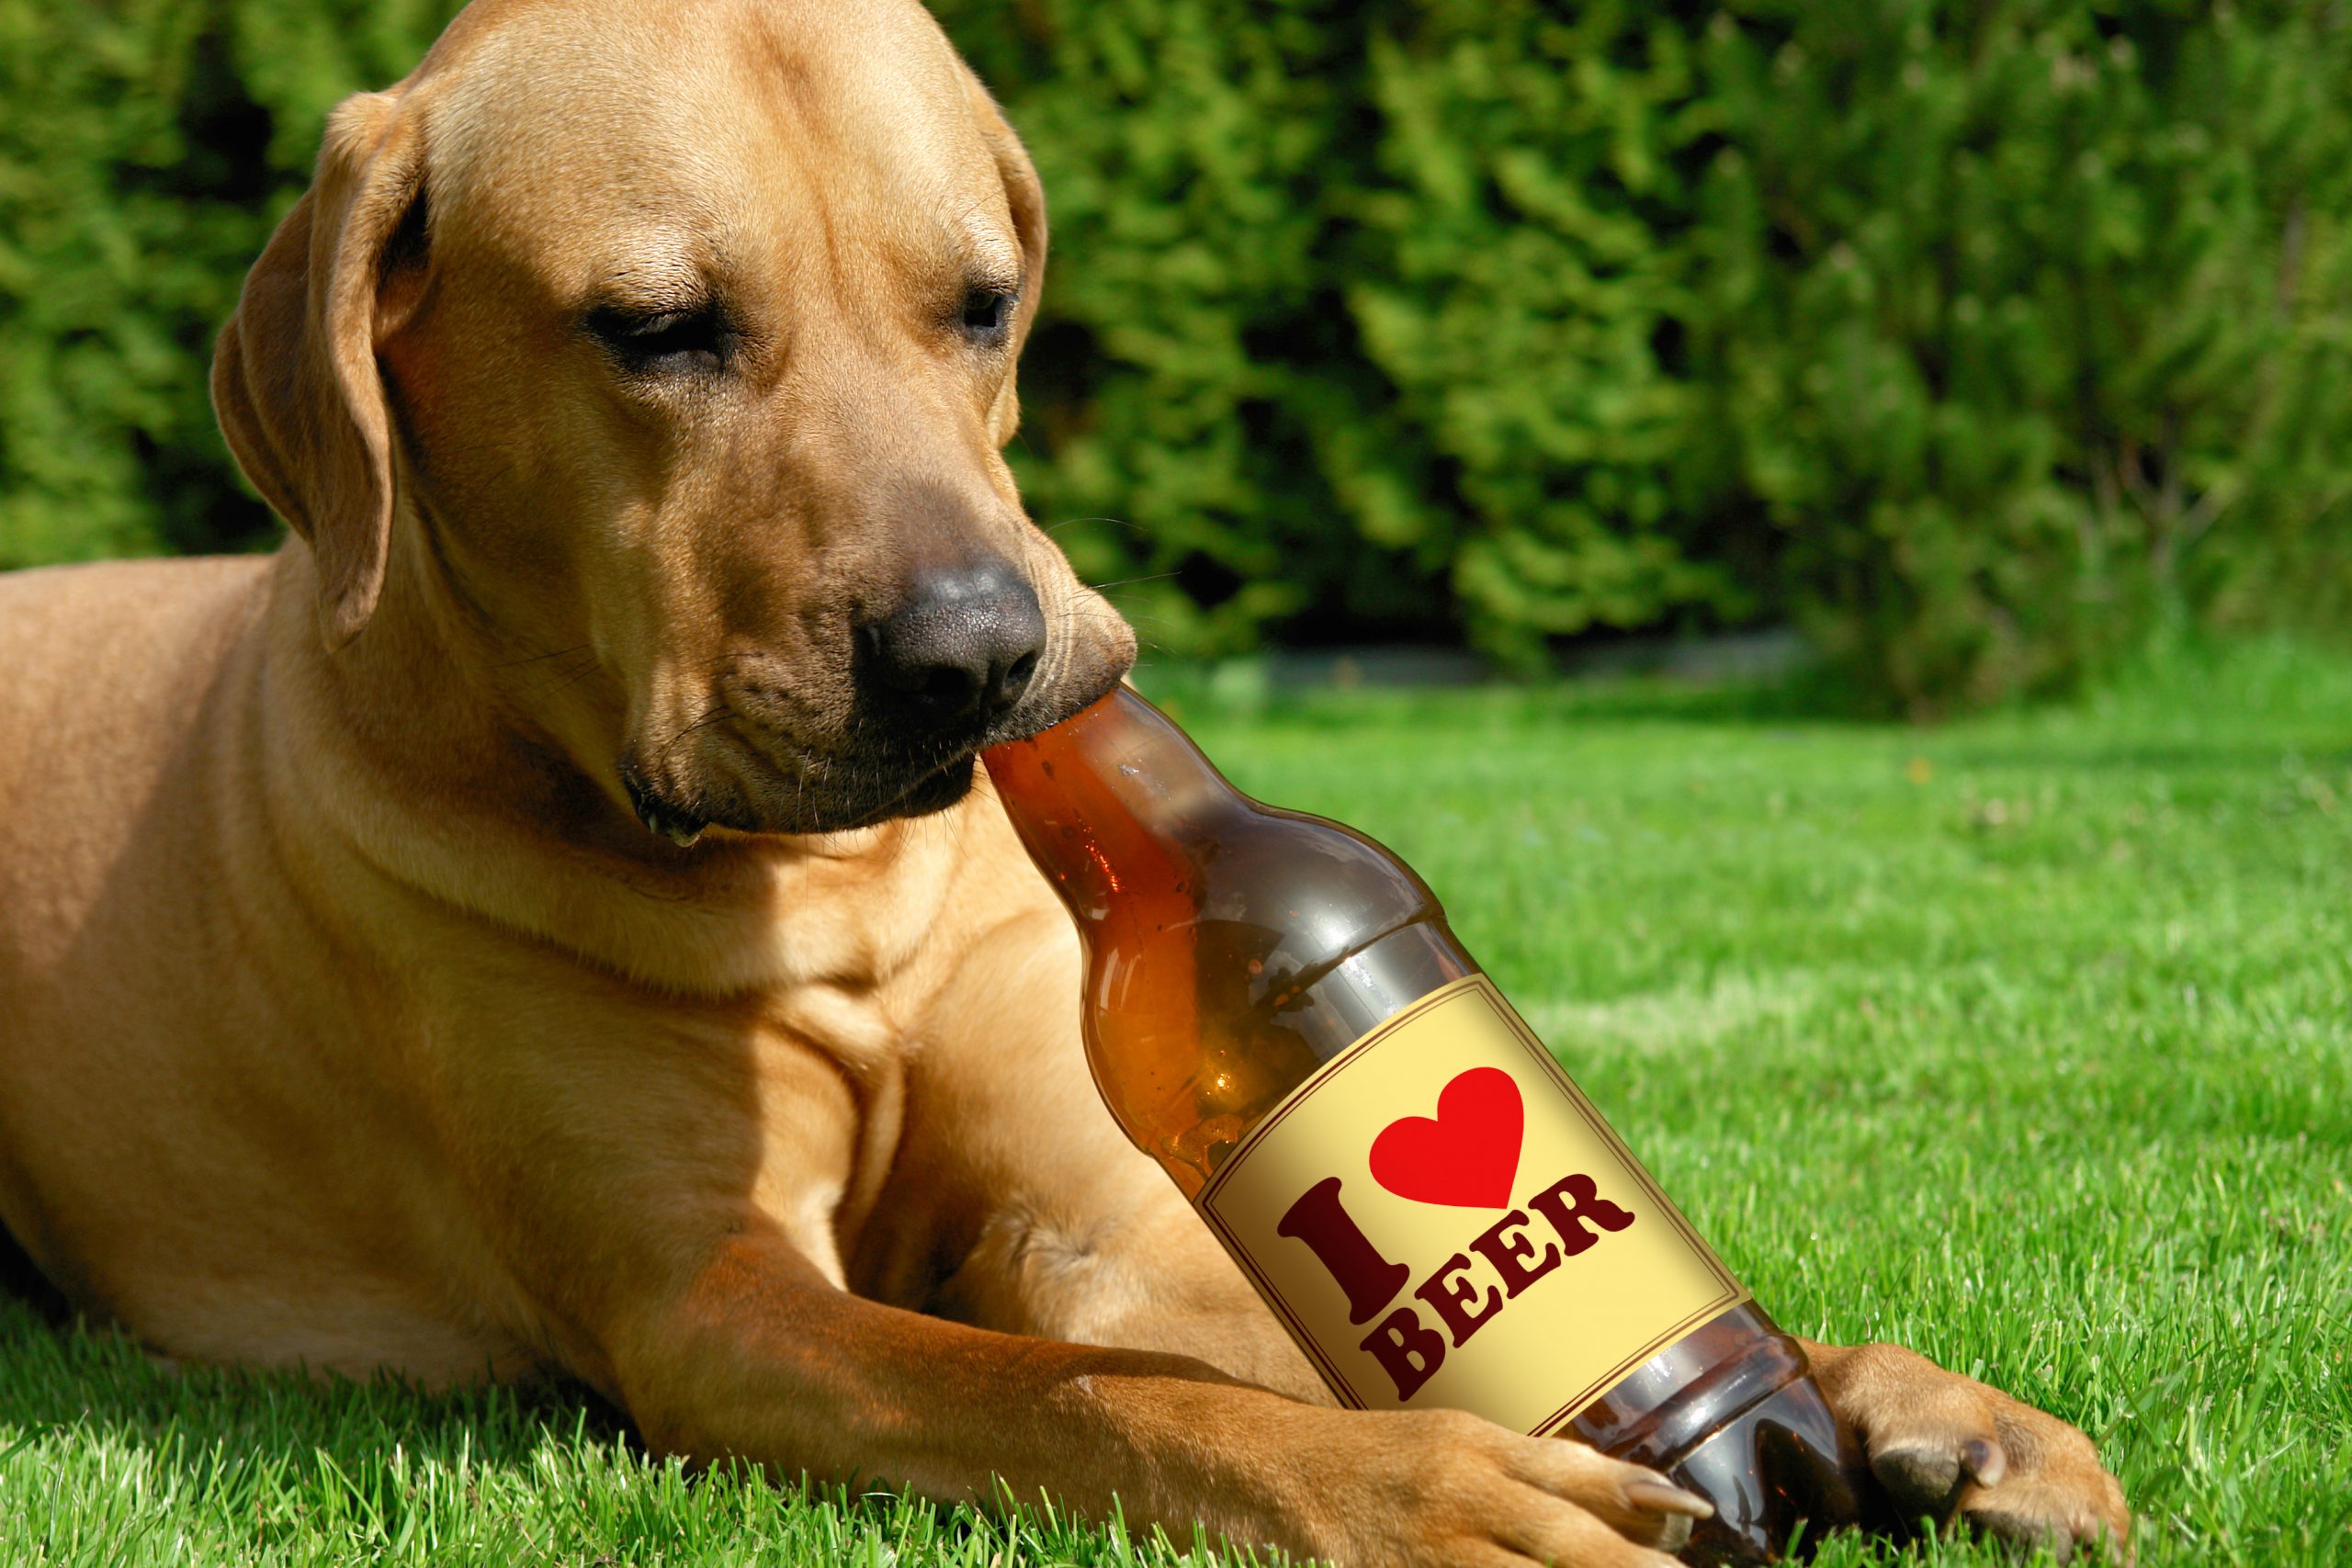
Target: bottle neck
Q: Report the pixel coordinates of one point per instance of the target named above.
(1231, 948)
(1103, 799)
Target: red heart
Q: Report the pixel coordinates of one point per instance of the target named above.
(1468, 1157)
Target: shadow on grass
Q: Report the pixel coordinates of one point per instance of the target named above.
(1193, 696)
(2191, 679)
(2151, 757)
(144, 1463)
(59, 1373)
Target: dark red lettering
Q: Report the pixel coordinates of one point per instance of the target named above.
(1369, 1278)
(1569, 1217)
(1505, 1252)
(1406, 1351)
(1450, 1294)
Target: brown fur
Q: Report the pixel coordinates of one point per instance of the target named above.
(354, 1020)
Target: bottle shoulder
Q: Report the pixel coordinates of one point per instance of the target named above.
(1307, 886)
(1263, 907)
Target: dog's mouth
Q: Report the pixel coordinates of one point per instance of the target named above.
(934, 791)
(663, 818)
(840, 794)
(838, 808)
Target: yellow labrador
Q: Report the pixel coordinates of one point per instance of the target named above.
(542, 918)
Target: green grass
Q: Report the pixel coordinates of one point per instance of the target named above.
(2026, 1043)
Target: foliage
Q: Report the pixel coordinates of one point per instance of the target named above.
(146, 149)
(2031, 322)
(1981, 338)
(1527, 236)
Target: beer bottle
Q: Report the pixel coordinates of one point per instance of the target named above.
(1275, 1011)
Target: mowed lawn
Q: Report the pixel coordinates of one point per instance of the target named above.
(2026, 1041)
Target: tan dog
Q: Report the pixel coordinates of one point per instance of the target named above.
(634, 378)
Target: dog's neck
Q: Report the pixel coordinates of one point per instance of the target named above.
(440, 781)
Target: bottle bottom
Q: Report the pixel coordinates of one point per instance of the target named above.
(1773, 1470)
(1732, 1413)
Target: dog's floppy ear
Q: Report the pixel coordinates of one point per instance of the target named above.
(1026, 196)
(294, 376)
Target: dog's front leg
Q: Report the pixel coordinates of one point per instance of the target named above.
(758, 1355)
(665, 1185)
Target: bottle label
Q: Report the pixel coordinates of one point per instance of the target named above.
(1443, 1220)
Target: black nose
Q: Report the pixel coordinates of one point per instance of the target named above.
(962, 645)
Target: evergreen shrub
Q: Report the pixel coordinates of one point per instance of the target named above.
(1980, 339)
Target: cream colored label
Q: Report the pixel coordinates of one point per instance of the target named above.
(1443, 1220)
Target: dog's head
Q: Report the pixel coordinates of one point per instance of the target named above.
(669, 346)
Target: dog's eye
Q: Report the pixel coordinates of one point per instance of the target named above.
(663, 340)
(988, 313)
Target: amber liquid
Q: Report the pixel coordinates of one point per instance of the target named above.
(1233, 948)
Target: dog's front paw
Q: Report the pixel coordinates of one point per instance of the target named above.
(1945, 1447)
(1440, 1489)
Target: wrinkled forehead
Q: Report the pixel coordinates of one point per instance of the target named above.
(578, 133)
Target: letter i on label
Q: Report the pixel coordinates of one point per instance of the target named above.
(1442, 1182)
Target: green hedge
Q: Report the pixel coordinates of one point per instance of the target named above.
(1978, 338)
(2029, 324)
(147, 147)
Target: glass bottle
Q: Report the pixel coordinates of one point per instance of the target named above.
(1234, 951)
